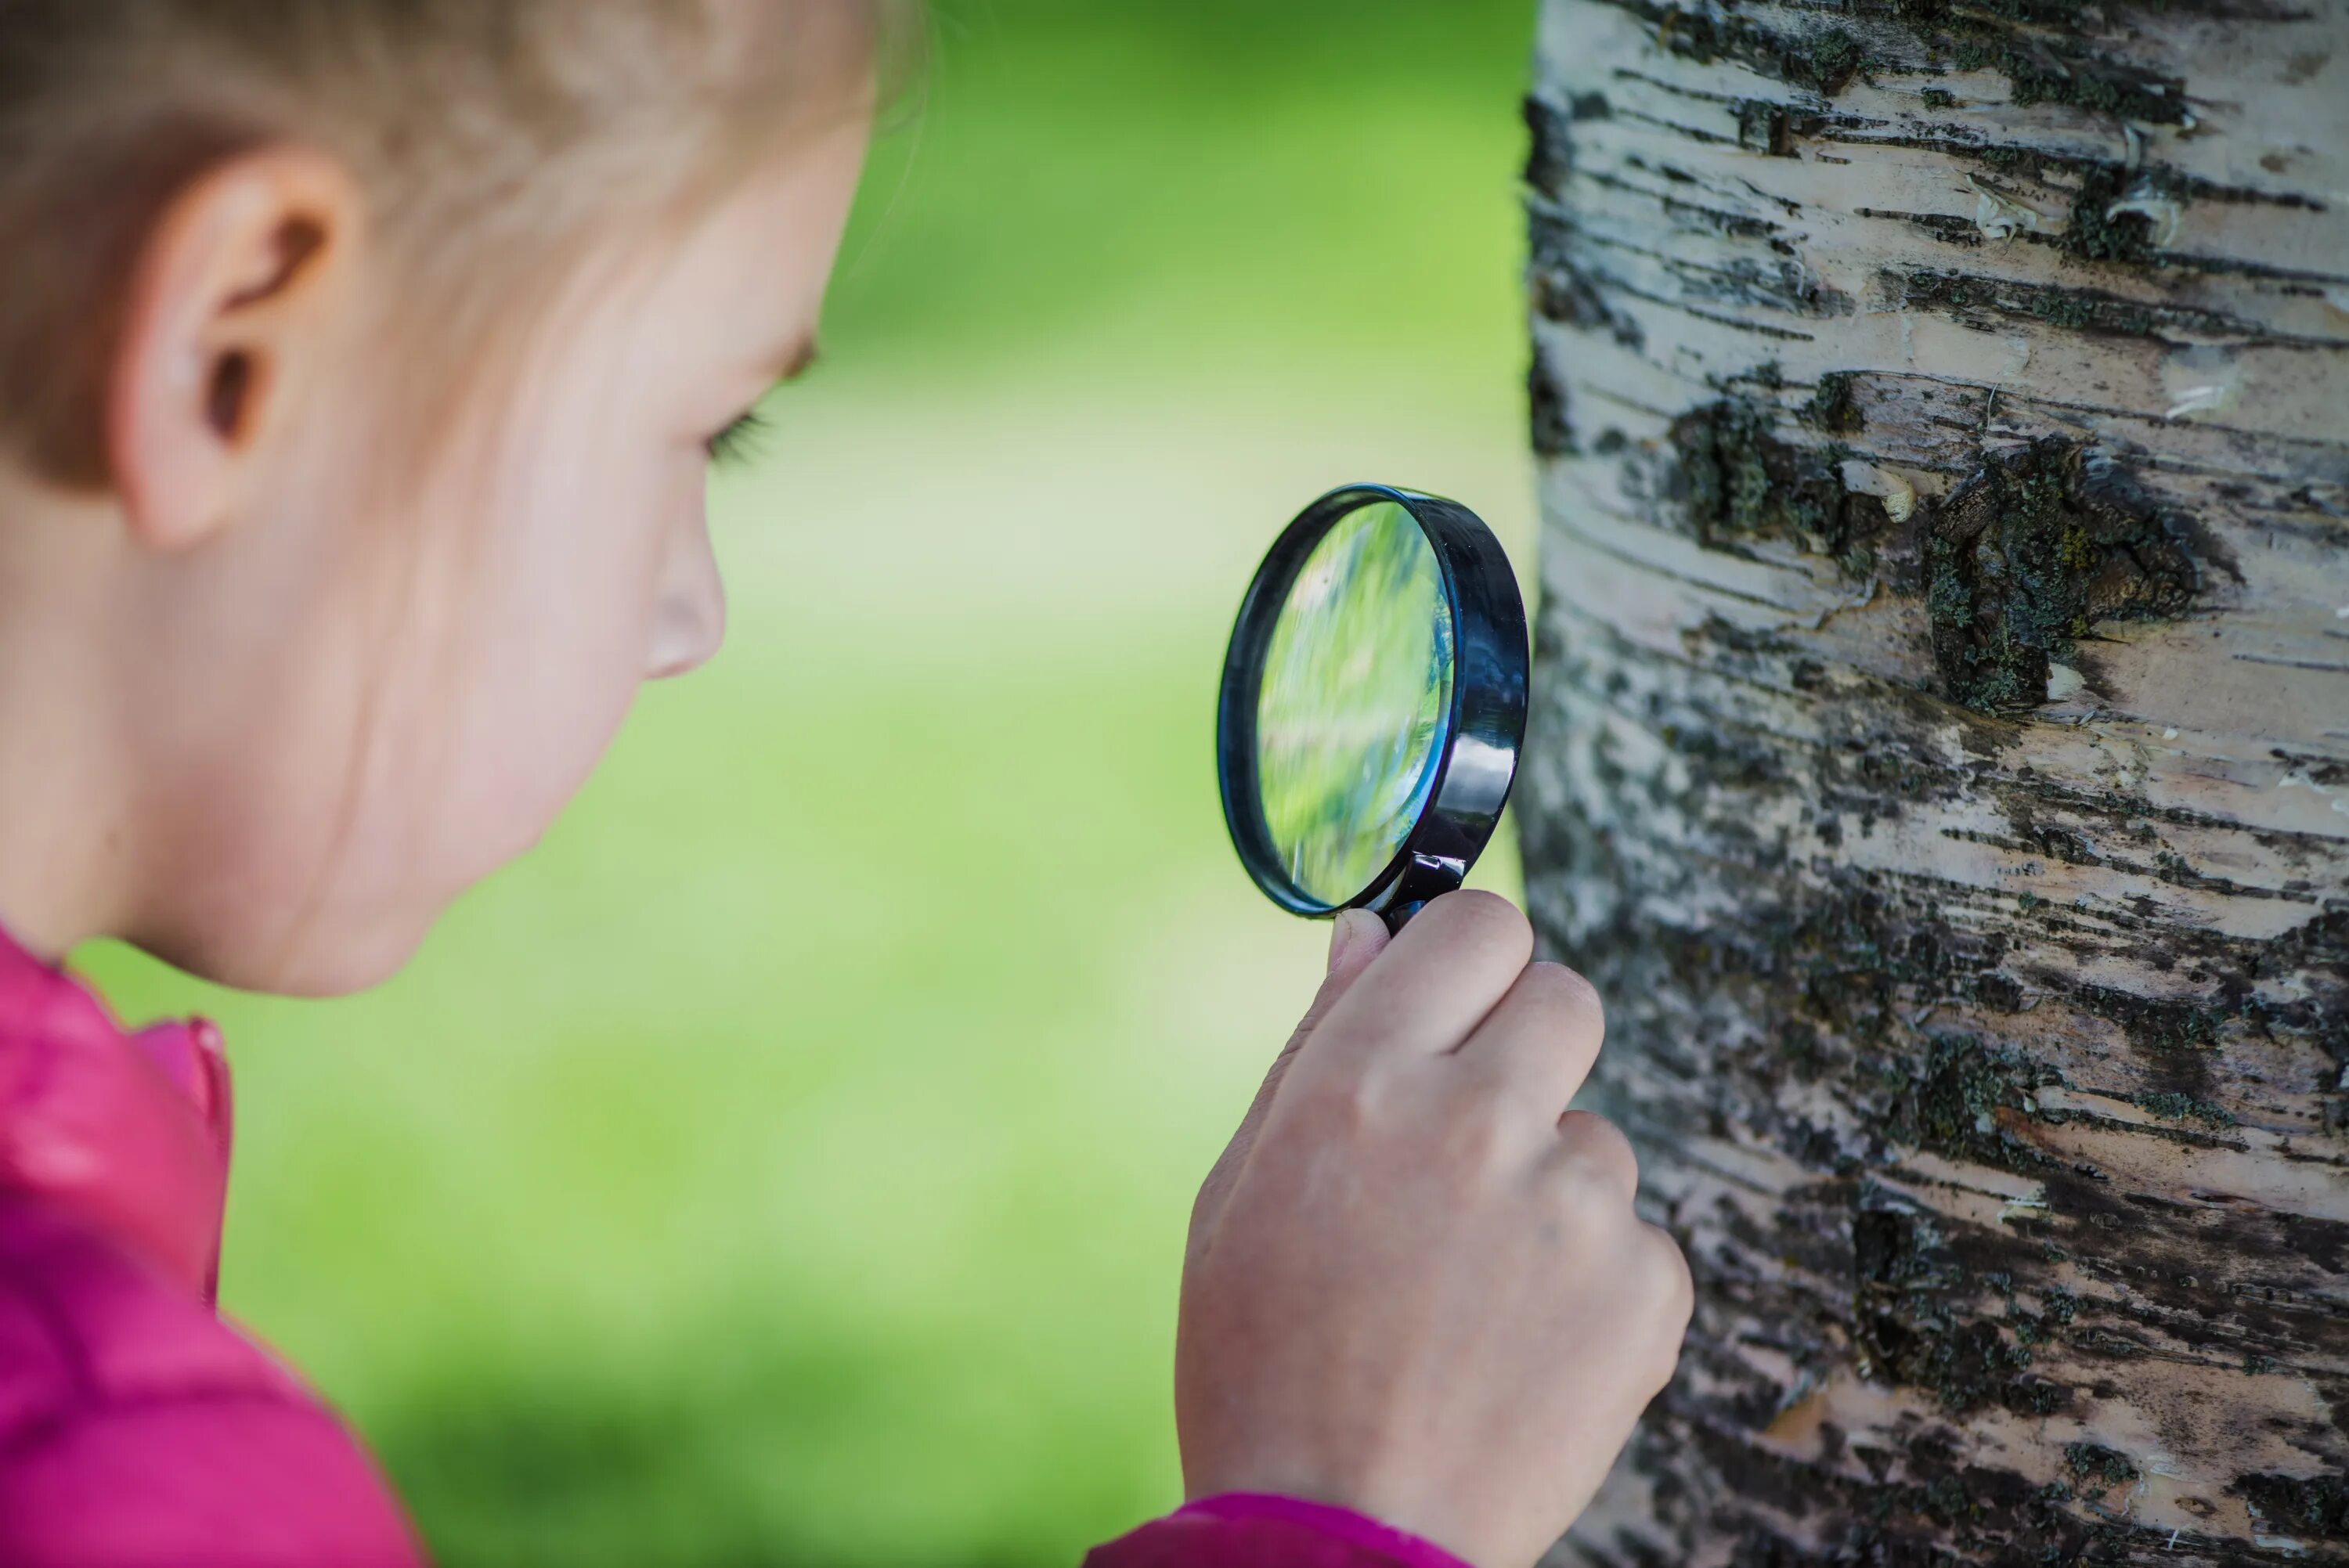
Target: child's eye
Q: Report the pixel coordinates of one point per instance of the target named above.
(737, 442)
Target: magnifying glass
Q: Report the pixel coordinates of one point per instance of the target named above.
(1373, 704)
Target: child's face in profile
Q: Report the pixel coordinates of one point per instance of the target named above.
(454, 645)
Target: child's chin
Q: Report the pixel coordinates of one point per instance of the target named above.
(357, 966)
(321, 965)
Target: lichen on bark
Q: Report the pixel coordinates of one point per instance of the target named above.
(2029, 556)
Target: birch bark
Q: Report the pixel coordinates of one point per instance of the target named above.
(1940, 757)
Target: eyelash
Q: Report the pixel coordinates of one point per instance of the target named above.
(738, 442)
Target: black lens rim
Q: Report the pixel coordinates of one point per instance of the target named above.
(1481, 745)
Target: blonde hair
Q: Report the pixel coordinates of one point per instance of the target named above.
(490, 136)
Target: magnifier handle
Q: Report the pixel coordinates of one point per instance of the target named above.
(1427, 877)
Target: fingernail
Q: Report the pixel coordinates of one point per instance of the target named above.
(1344, 933)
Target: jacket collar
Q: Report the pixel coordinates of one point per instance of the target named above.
(127, 1133)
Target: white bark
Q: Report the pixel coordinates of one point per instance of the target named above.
(1942, 757)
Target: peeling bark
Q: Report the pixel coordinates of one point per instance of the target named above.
(1940, 757)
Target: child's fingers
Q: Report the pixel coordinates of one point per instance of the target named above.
(1542, 1038)
(1437, 981)
(1592, 1152)
(1356, 937)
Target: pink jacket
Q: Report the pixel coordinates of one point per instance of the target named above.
(139, 1429)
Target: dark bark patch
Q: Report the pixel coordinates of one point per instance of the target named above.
(1966, 1099)
(1734, 480)
(2317, 949)
(1780, 283)
(2299, 1505)
(1547, 413)
(2098, 233)
(1832, 406)
(1690, 215)
(1825, 60)
(1984, 302)
(1564, 291)
(2039, 71)
(2035, 43)
(1925, 14)
(2096, 1469)
(2176, 1040)
(1946, 228)
(2158, 1025)
(2172, 1107)
(1550, 152)
(2028, 554)
(1918, 1509)
(1549, 129)
(1912, 1325)
(2092, 188)
(1766, 127)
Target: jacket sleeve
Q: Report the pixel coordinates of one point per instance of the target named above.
(1250, 1530)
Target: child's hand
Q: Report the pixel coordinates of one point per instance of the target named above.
(1414, 1287)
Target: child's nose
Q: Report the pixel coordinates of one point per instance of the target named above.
(689, 621)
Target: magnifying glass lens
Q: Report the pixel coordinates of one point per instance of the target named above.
(1355, 702)
(1374, 702)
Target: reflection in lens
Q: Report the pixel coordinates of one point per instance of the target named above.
(1356, 699)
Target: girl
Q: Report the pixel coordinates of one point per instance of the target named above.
(359, 364)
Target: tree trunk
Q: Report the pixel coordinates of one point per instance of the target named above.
(1942, 757)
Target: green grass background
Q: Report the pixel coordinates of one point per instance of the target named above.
(788, 1162)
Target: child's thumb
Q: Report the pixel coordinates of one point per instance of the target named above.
(1356, 937)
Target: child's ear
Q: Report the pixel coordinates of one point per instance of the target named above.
(238, 292)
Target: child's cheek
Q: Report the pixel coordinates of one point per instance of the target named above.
(556, 653)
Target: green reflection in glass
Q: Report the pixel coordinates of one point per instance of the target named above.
(1356, 699)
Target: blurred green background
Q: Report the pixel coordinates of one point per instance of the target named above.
(788, 1163)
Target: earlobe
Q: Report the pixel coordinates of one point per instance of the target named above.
(237, 295)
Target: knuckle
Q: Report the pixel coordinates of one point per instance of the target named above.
(1674, 1293)
(1567, 986)
(1338, 1106)
(1667, 1365)
(1482, 1134)
(1206, 1210)
(1579, 1011)
(1479, 1080)
(1675, 1280)
(1560, 1005)
(1594, 1210)
(1596, 1141)
(1484, 917)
